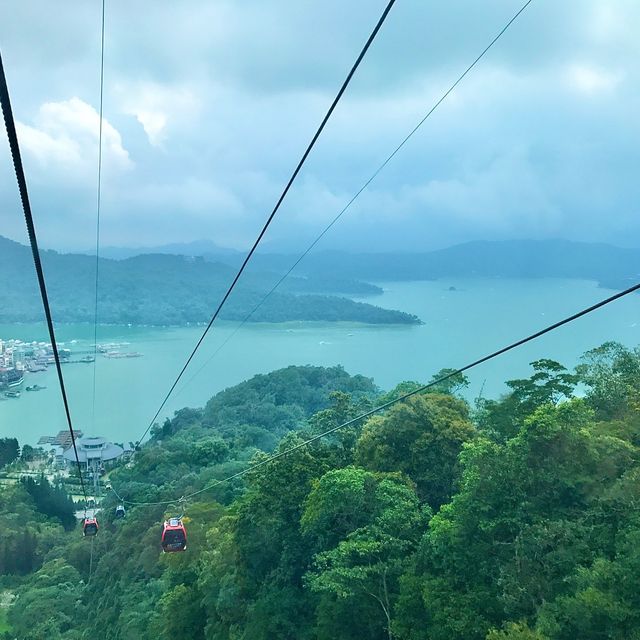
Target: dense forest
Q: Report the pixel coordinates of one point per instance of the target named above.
(514, 518)
(169, 289)
(173, 290)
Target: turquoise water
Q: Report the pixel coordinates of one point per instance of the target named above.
(481, 315)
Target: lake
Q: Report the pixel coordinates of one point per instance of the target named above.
(461, 325)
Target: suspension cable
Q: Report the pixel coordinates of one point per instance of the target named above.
(374, 175)
(91, 561)
(26, 207)
(390, 403)
(297, 170)
(98, 198)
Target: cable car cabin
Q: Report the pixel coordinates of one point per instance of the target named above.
(120, 511)
(174, 536)
(90, 527)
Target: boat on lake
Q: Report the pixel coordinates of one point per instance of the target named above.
(12, 394)
(14, 378)
(35, 387)
(87, 359)
(108, 347)
(37, 368)
(120, 354)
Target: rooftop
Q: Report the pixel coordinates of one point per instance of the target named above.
(63, 438)
(94, 448)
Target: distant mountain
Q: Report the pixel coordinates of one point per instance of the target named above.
(159, 289)
(342, 272)
(319, 283)
(608, 265)
(195, 248)
(165, 288)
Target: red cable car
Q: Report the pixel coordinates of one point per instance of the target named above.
(174, 536)
(90, 527)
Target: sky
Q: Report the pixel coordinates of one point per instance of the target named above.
(208, 106)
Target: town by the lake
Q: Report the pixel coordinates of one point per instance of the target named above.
(21, 361)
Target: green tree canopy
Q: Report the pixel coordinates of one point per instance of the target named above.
(422, 437)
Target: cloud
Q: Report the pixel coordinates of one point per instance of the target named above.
(542, 137)
(589, 80)
(158, 107)
(49, 149)
(65, 136)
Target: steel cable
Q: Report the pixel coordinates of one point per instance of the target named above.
(390, 403)
(297, 170)
(355, 197)
(33, 241)
(98, 203)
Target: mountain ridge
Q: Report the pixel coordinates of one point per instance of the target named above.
(164, 289)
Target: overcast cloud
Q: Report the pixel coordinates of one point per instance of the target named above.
(209, 105)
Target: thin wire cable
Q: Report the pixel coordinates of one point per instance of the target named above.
(390, 403)
(98, 198)
(28, 216)
(91, 561)
(298, 168)
(148, 504)
(359, 192)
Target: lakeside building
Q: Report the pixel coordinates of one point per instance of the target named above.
(10, 377)
(58, 457)
(62, 439)
(95, 454)
(29, 356)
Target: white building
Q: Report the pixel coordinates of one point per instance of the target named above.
(94, 451)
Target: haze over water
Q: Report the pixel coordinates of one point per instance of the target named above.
(461, 325)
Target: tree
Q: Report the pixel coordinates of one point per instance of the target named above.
(399, 390)
(515, 631)
(28, 453)
(536, 536)
(49, 604)
(181, 615)
(502, 419)
(210, 451)
(52, 501)
(342, 409)
(258, 559)
(454, 382)
(9, 451)
(369, 525)
(514, 533)
(549, 384)
(604, 601)
(612, 374)
(421, 437)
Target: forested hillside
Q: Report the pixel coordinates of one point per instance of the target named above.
(173, 290)
(508, 519)
(169, 289)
